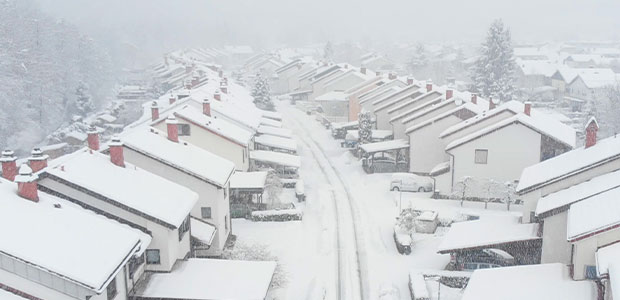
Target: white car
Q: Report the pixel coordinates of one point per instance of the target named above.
(406, 182)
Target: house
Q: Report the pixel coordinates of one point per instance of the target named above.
(384, 102)
(60, 254)
(110, 186)
(395, 110)
(367, 89)
(532, 74)
(583, 60)
(591, 84)
(499, 152)
(607, 268)
(317, 81)
(165, 155)
(563, 171)
(335, 106)
(288, 75)
(216, 135)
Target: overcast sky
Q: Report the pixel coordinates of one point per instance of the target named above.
(168, 23)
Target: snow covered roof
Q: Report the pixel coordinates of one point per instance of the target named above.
(248, 180)
(65, 241)
(551, 128)
(385, 146)
(578, 192)
(219, 126)
(270, 122)
(406, 95)
(511, 106)
(345, 124)
(467, 105)
(608, 262)
(568, 164)
(532, 282)
(202, 231)
(410, 89)
(276, 142)
(594, 215)
(597, 78)
(440, 168)
(206, 279)
(486, 233)
(271, 115)
(6, 295)
(130, 186)
(375, 134)
(283, 159)
(333, 96)
(537, 67)
(184, 156)
(281, 132)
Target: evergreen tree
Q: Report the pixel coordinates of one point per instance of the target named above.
(418, 59)
(328, 52)
(262, 93)
(493, 72)
(365, 127)
(83, 100)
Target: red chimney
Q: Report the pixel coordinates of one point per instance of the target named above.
(527, 108)
(116, 152)
(37, 160)
(591, 130)
(409, 80)
(206, 107)
(195, 81)
(224, 89)
(429, 85)
(154, 111)
(491, 103)
(474, 98)
(172, 99)
(27, 183)
(363, 70)
(9, 166)
(93, 138)
(173, 129)
(217, 96)
(449, 93)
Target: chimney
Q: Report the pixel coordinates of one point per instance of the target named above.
(392, 76)
(173, 128)
(9, 166)
(220, 73)
(378, 73)
(429, 85)
(217, 96)
(409, 80)
(449, 93)
(172, 99)
(527, 109)
(93, 138)
(195, 81)
(188, 84)
(37, 160)
(116, 152)
(27, 183)
(491, 103)
(154, 111)
(363, 70)
(224, 89)
(206, 107)
(591, 130)
(474, 98)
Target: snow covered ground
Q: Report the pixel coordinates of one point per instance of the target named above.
(307, 248)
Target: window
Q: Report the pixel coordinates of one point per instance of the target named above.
(111, 289)
(152, 257)
(184, 129)
(481, 156)
(134, 263)
(205, 212)
(591, 272)
(183, 228)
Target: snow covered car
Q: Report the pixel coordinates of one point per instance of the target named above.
(403, 241)
(485, 259)
(406, 182)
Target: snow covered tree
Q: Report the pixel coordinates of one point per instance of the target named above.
(273, 187)
(463, 188)
(610, 115)
(493, 72)
(83, 100)
(406, 220)
(328, 52)
(418, 59)
(365, 127)
(262, 93)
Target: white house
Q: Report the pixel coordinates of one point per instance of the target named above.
(319, 80)
(124, 192)
(164, 154)
(288, 75)
(366, 99)
(63, 251)
(383, 102)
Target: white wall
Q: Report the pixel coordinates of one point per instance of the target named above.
(400, 128)
(318, 86)
(488, 121)
(426, 149)
(209, 195)
(555, 247)
(585, 250)
(344, 83)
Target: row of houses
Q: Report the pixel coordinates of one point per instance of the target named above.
(146, 214)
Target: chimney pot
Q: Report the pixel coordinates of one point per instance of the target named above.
(224, 89)
(154, 111)
(409, 80)
(206, 107)
(363, 70)
(392, 76)
(527, 108)
(9, 165)
(37, 160)
(591, 131)
(173, 129)
(429, 85)
(93, 138)
(491, 103)
(474, 98)
(449, 93)
(217, 96)
(220, 73)
(27, 183)
(116, 152)
(172, 99)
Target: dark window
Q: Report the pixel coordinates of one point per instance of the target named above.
(134, 263)
(183, 228)
(184, 129)
(111, 289)
(591, 272)
(206, 212)
(481, 156)
(152, 257)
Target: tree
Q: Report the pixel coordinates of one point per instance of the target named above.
(273, 187)
(406, 220)
(418, 59)
(328, 52)
(365, 127)
(463, 188)
(83, 100)
(609, 116)
(262, 93)
(493, 72)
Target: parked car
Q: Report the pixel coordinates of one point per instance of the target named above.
(407, 182)
(403, 241)
(484, 259)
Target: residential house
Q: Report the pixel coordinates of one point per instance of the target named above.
(317, 81)
(367, 90)
(591, 84)
(426, 105)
